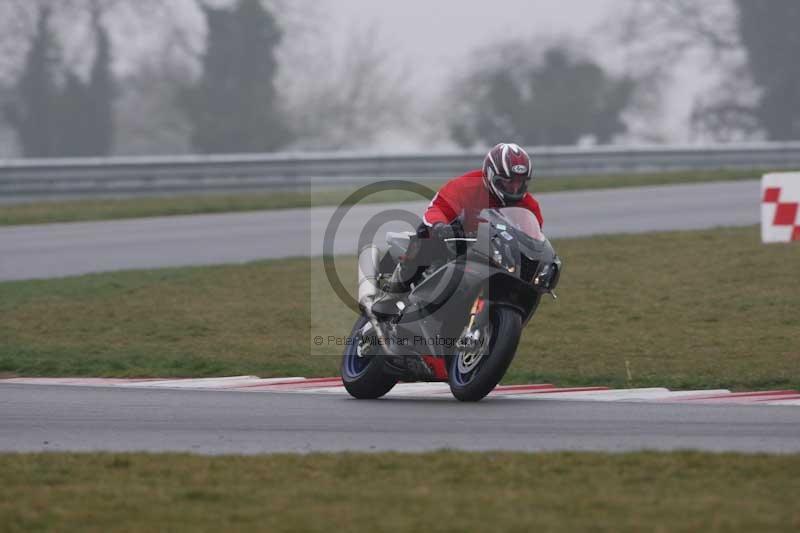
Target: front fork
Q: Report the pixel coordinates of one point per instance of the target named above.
(477, 309)
(471, 334)
(438, 364)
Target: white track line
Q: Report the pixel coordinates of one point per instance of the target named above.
(611, 395)
(781, 402)
(333, 386)
(202, 383)
(80, 382)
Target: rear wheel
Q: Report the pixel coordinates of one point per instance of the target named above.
(362, 364)
(485, 355)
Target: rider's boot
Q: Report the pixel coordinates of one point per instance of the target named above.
(388, 304)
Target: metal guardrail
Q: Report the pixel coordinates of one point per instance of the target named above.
(25, 180)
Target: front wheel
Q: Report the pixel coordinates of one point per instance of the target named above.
(482, 361)
(362, 364)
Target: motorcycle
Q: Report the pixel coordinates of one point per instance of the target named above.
(462, 319)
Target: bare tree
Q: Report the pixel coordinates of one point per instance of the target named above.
(659, 36)
(149, 116)
(339, 95)
(73, 22)
(347, 98)
(749, 44)
(68, 96)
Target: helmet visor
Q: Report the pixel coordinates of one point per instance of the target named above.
(514, 185)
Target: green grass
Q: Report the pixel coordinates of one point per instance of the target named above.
(85, 210)
(437, 492)
(701, 309)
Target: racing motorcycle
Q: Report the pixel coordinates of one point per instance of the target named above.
(462, 319)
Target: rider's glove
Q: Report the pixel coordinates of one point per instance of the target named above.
(442, 231)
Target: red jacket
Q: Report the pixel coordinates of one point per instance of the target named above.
(468, 192)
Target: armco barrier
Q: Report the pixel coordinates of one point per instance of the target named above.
(25, 180)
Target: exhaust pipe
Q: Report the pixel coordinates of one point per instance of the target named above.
(368, 262)
(367, 276)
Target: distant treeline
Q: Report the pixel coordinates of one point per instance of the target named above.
(549, 93)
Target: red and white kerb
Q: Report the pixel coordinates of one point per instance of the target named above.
(780, 207)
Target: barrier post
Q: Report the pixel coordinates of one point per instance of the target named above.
(780, 207)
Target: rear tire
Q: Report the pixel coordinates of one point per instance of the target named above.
(506, 326)
(363, 376)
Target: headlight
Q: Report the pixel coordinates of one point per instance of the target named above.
(499, 260)
(547, 278)
(543, 277)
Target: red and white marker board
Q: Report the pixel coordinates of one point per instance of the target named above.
(780, 207)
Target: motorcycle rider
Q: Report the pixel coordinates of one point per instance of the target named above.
(501, 182)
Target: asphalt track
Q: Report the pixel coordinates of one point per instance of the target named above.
(45, 251)
(54, 418)
(61, 418)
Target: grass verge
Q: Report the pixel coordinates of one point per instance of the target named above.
(105, 209)
(444, 491)
(701, 309)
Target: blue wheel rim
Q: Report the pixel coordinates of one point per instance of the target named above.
(355, 366)
(465, 378)
(459, 378)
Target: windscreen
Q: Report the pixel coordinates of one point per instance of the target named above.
(524, 220)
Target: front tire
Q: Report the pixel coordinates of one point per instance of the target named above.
(362, 372)
(471, 381)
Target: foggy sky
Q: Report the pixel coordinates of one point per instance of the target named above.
(430, 39)
(436, 36)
